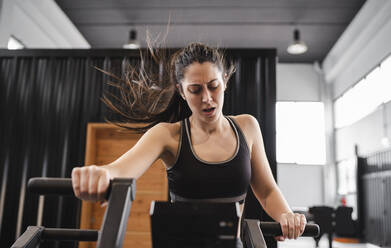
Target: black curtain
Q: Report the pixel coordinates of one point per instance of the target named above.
(47, 98)
(252, 90)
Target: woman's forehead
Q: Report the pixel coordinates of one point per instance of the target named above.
(201, 73)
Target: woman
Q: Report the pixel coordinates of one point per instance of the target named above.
(208, 156)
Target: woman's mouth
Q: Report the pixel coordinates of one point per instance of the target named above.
(208, 111)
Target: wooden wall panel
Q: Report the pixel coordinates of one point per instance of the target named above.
(105, 143)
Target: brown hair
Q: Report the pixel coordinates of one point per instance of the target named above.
(148, 93)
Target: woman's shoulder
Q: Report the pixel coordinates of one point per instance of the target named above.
(169, 134)
(167, 130)
(249, 126)
(246, 122)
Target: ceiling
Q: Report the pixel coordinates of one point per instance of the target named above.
(224, 23)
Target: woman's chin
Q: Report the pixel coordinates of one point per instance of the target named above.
(211, 117)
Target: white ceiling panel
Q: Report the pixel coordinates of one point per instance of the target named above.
(226, 23)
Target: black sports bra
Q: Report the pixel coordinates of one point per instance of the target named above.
(193, 179)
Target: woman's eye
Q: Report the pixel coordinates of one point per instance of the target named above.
(194, 90)
(213, 85)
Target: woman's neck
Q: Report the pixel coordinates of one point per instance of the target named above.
(217, 126)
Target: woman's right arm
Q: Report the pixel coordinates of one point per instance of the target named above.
(91, 182)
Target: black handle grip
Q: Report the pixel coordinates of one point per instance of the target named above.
(69, 234)
(274, 229)
(50, 186)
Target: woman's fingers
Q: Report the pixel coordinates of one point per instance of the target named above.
(292, 225)
(297, 226)
(103, 185)
(303, 223)
(76, 181)
(90, 183)
(84, 177)
(284, 227)
(93, 177)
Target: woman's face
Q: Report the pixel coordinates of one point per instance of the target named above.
(203, 89)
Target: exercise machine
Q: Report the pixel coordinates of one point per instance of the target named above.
(208, 224)
(120, 195)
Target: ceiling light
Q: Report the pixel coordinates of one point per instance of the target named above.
(298, 46)
(132, 43)
(14, 43)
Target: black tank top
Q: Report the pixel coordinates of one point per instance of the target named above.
(193, 179)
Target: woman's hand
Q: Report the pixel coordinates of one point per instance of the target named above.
(90, 183)
(292, 226)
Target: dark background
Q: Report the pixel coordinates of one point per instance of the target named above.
(47, 98)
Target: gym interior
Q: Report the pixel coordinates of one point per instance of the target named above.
(315, 74)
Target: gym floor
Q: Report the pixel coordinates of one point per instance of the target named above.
(307, 242)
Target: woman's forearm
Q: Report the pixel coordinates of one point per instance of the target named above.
(275, 204)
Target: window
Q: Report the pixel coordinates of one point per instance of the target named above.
(347, 176)
(367, 95)
(14, 43)
(300, 133)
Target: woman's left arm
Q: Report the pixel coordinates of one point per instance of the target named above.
(266, 189)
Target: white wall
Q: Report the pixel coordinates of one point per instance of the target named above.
(302, 185)
(38, 24)
(361, 47)
(297, 82)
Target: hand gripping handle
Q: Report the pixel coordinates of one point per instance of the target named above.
(274, 229)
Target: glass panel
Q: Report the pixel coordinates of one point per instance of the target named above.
(385, 77)
(300, 133)
(365, 96)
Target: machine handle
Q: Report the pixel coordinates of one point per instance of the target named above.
(274, 229)
(63, 186)
(50, 186)
(120, 194)
(69, 234)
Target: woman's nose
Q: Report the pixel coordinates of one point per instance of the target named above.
(206, 96)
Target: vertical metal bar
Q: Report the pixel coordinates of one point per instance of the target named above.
(41, 202)
(381, 208)
(123, 191)
(258, 86)
(387, 218)
(30, 238)
(22, 197)
(3, 189)
(252, 234)
(62, 175)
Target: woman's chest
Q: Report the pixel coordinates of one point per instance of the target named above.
(214, 149)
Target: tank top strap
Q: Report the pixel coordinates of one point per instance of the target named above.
(242, 138)
(185, 139)
(186, 136)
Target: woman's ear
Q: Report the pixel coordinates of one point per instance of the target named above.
(225, 81)
(180, 90)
